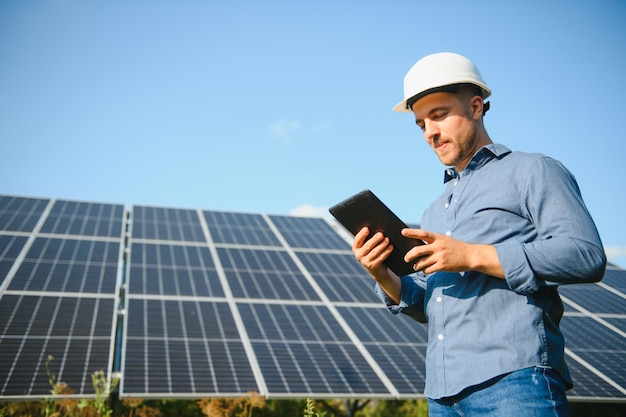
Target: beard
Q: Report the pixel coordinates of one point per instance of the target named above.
(459, 149)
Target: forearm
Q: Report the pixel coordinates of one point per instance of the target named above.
(389, 282)
(484, 258)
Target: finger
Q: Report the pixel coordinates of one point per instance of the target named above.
(377, 256)
(381, 250)
(424, 264)
(420, 234)
(359, 238)
(413, 254)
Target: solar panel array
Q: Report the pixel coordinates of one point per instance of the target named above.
(199, 303)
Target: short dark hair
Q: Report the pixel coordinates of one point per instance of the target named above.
(471, 89)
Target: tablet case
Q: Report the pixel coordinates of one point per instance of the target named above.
(365, 209)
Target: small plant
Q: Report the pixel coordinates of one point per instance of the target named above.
(49, 404)
(309, 410)
(100, 404)
(59, 404)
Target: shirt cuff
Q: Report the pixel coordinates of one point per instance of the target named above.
(409, 296)
(517, 272)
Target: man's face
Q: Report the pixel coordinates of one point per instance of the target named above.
(449, 127)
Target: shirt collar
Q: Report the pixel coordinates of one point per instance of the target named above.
(484, 155)
(449, 174)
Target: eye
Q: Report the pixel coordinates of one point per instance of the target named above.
(440, 115)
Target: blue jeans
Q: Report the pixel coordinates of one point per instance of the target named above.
(530, 392)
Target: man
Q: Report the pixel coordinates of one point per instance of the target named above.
(508, 229)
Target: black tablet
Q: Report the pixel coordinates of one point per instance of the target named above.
(365, 209)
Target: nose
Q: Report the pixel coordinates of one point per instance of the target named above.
(431, 131)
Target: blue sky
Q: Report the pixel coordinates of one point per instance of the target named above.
(284, 107)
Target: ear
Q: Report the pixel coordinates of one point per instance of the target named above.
(476, 107)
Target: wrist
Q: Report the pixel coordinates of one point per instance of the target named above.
(484, 258)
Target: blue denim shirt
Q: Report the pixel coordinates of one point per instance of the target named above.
(530, 208)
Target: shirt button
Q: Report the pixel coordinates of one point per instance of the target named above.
(448, 233)
(440, 337)
(439, 299)
(447, 205)
(456, 182)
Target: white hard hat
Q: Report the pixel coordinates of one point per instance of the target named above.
(434, 72)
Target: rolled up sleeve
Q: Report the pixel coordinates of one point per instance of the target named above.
(567, 248)
(411, 298)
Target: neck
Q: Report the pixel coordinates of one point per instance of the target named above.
(482, 139)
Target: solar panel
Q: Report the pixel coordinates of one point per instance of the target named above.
(20, 214)
(68, 265)
(165, 224)
(173, 269)
(593, 298)
(84, 219)
(74, 332)
(59, 265)
(223, 303)
(180, 334)
(303, 350)
(590, 384)
(10, 248)
(339, 277)
(614, 278)
(240, 229)
(264, 274)
(304, 232)
(398, 344)
(183, 347)
(595, 336)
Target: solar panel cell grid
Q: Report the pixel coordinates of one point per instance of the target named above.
(291, 322)
(599, 346)
(340, 276)
(173, 270)
(34, 316)
(240, 228)
(608, 362)
(588, 384)
(264, 274)
(403, 365)
(68, 265)
(616, 279)
(397, 343)
(303, 232)
(304, 349)
(20, 214)
(170, 342)
(10, 247)
(377, 325)
(166, 224)
(71, 331)
(620, 323)
(594, 298)
(316, 369)
(84, 219)
(596, 337)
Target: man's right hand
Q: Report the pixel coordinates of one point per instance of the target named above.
(371, 253)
